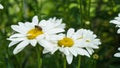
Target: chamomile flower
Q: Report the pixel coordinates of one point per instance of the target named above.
(117, 54)
(116, 21)
(32, 32)
(89, 40)
(1, 7)
(68, 44)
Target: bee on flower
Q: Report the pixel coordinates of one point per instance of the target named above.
(32, 32)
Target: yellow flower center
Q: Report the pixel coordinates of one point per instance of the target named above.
(33, 33)
(66, 42)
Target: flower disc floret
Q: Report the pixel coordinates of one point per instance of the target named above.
(66, 42)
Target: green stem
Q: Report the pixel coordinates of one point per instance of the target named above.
(56, 61)
(89, 19)
(36, 11)
(22, 9)
(79, 61)
(89, 5)
(94, 63)
(39, 60)
(64, 65)
(81, 10)
(38, 8)
(81, 13)
(112, 5)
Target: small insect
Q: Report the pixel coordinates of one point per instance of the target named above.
(38, 27)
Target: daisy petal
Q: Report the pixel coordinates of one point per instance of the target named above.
(118, 31)
(16, 39)
(35, 20)
(45, 44)
(62, 25)
(33, 42)
(90, 50)
(45, 51)
(53, 50)
(13, 43)
(92, 46)
(66, 51)
(15, 27)
(73, 51)
(54, 31)
(117, 55)
(42, 23)
(119, 48)
(70, 32)
(40, 37)
(114, 22)
(69, 58)
(83, 52)
(1, 7)
(17, 35)
(20, 47)
(119, 14)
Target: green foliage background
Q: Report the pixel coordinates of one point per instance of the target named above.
(90, 14)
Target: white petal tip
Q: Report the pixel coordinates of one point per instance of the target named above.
(1, 7)
(117, 55)
(9, 46)
(15, 52)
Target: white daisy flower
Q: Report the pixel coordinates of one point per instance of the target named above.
(30, 33)
(117, 22)
(1, 7)
(67, 44)
(117, 54)
(89, 40)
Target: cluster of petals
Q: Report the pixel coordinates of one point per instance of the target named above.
(33, 32)
(116, 21)
(84, 43)
(117, 54)
(49, 34)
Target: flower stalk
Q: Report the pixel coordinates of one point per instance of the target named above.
(64, 65)
(79, 62)
(39, 58)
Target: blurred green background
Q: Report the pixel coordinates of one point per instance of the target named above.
(90, 14)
